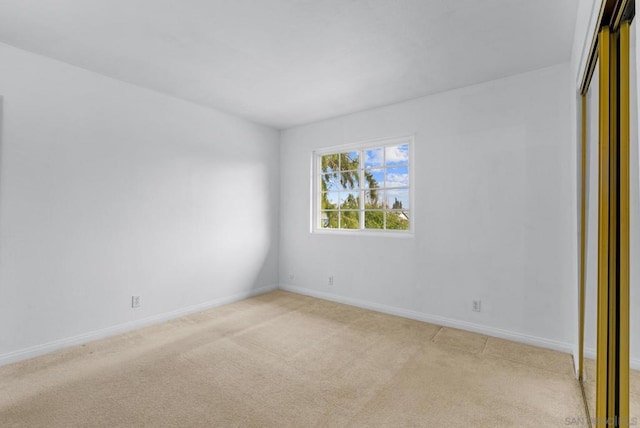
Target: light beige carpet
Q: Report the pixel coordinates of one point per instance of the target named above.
(286, 360)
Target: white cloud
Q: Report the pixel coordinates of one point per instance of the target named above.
(397, 180)
(397, 154)
(374, 157)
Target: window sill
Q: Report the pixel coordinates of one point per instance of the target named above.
(378, 234)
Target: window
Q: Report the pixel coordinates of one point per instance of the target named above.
(364, 188)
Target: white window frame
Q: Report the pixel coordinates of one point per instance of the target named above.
(316, 187)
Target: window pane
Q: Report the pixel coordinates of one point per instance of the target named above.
(349, 200)
(382, 200)
(349, 161)
(397, 155)
(340, 181)
(373, 178)
(374, 219)
(374, 198)
(330, 182)
(329, 220)
(397, 177)
(330, 163)
(398, 199)
(350, 180)
(398, 220)
(349, 220)
(373, 158)
(330, 200)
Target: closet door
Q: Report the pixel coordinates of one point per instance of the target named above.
(606, 219)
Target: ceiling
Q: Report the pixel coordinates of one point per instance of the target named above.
(284, 63)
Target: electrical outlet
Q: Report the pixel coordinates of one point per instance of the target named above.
(477, 306)
(331, 280)
(135, 301)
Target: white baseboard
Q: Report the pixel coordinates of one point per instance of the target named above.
(434, 319)
(34, 351)
(634, 363)
(590, 353)
(576, 363)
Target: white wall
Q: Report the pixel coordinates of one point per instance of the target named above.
(108, 190)
(495, 212)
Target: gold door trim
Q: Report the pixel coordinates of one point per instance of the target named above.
(603, 232)
(583, 235)
(623, 259)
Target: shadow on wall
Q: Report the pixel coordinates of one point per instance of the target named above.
(1, 166)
